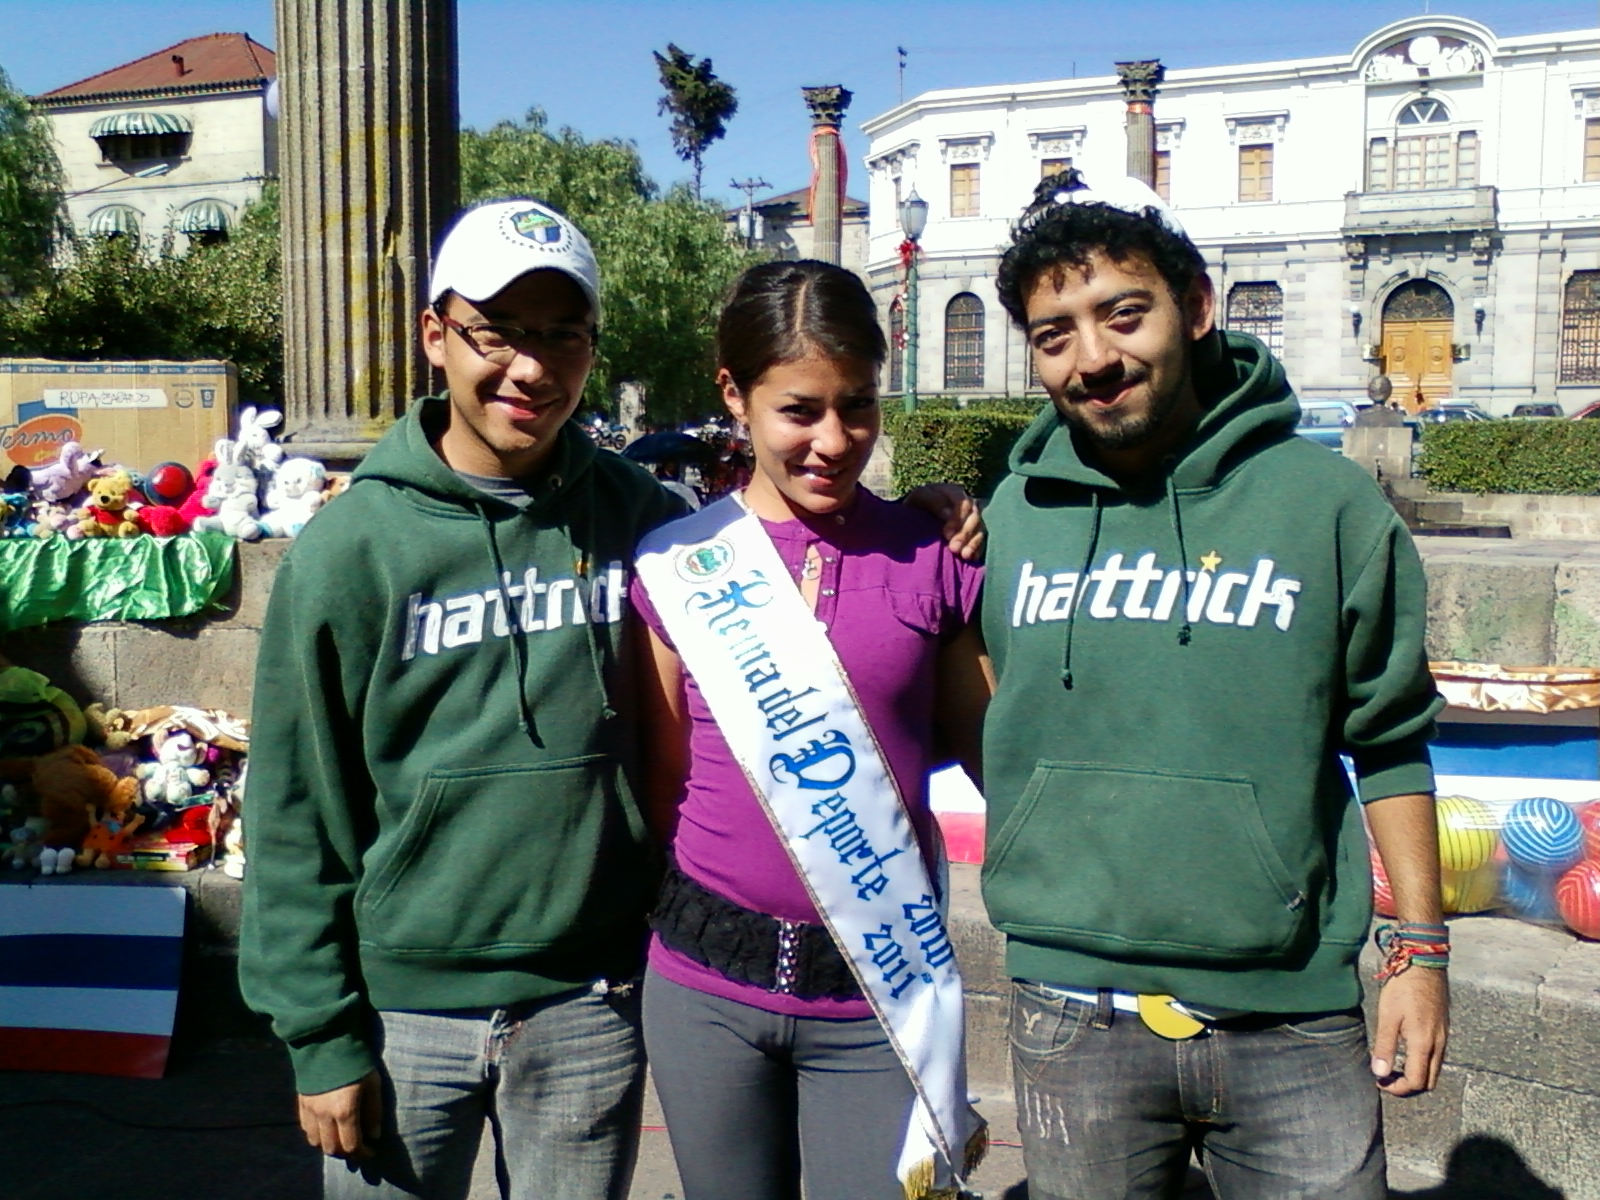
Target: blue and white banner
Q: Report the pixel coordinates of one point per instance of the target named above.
(779, 694)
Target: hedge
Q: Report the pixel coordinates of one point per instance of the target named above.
(1559, 458)
(940, 443)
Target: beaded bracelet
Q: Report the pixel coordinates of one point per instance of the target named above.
(1410, 943)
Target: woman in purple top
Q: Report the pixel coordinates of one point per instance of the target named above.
(769, 1076)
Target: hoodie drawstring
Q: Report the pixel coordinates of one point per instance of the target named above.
(1081, 585)
(596, 655)
(519, 651)
(1185, 631)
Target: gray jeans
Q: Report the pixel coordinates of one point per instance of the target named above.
(1278, 1112)
(756, 1102)
(560, 1080)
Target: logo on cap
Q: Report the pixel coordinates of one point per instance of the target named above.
(537, 227)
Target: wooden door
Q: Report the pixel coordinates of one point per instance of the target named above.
(1417, 355)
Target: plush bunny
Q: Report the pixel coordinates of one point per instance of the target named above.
(231, 496)
(63, 479)
(257, 450)
(293, 496)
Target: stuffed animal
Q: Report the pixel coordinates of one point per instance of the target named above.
(64, 478)
(176, 773)
(16, 515)
(51, 518)
(115, 823)
(231, 497)
(293, 496)
(25, 845)
(106, 514)
(194, 504)
(71, 783)
(256, 449)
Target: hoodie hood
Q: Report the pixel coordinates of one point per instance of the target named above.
(1246, 398)
(406, 458)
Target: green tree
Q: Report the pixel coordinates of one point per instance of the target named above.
(666, 260)
(699, 102)
(31, 214)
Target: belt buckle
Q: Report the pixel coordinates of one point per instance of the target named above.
(786, 969)
(1165, 1021)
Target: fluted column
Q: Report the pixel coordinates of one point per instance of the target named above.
(1139, 83)
(827, 105)
(370, 175)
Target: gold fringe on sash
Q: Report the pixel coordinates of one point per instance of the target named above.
(918, 1184)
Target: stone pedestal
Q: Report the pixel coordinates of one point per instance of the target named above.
(1139, 83)
(827, 105)
(370, 175)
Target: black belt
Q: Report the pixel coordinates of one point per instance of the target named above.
(792, 958)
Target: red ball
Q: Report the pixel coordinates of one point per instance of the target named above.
(1578, 897)
(169, 483)
(1589, 818)
(1382, 893)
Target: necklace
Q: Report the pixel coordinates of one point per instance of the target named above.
(811, 568)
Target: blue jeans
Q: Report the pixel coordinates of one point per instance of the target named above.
(1276, 1111)
(560, 1080)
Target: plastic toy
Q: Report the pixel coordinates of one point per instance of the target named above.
(169, 483)
(1382, 893)
(1589, 818)
(1578, 896)
(1467, 833)
(1542, 834)
(1529, 894)
(1468, 891)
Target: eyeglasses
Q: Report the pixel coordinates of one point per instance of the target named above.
(501, 344)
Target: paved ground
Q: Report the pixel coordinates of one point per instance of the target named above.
(218, 1128)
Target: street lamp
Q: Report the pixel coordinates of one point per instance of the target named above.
(913, 220)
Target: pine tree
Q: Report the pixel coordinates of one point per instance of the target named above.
(699, 102)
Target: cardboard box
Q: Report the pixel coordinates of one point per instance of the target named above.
(139, 414)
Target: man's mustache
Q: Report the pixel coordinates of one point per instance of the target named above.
(1103, 384)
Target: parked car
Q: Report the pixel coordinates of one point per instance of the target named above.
(1324, 421)
(1539, 410)
(1591, 410)
(1452, 410)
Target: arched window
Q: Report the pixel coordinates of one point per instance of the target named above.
(1580, 328)
(897, 347)
(1257, 309)
(1427, 111)
(1423, 159)
(963, 342)
(1419, 300)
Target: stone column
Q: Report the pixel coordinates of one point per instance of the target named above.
(370, 175)
(827, 105)
(1139, 83)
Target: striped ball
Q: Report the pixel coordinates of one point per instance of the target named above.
(1589, 818)
(1578, 895)
(1469, 891)
(1530, 895)
(1382, 894)
(1467, 834)
(1542, 834)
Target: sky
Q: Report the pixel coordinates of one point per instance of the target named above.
(588, 63)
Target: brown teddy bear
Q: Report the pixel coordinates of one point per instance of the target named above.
(106, 514)
(73, 786)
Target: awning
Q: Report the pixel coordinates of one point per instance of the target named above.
(113, 219)
(203, 216)
(140, 123)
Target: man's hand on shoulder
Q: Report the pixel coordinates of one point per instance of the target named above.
(1413, 1027)
(345, 1122)
(964, 531)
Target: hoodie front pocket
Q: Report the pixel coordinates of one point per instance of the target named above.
(504, 860)
(1136, 863)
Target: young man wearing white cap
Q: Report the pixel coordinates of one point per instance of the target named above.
(448, 871)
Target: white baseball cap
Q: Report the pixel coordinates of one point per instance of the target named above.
(1129, 194)
(490, 246)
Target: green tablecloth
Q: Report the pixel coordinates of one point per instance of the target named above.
(111, 579)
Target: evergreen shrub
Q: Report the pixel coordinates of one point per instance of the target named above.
(1553, 458)
(941, 443)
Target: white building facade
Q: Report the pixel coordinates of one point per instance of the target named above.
(1426, 207)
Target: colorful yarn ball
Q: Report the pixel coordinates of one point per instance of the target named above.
(1467, 833)
(1382, 893)
(1469, 891)
(1578, 895)
(1530, 895)
(1542, 834)
(1589, 818)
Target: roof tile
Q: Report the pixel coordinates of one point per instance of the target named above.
(216, 58)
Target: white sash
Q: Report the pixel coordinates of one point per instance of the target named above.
(781, 698)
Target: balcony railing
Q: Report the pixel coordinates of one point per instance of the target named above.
(1440, 211)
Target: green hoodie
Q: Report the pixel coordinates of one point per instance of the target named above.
(1167, 808)
(438, 814)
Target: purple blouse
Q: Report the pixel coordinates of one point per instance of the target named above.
(889, 595)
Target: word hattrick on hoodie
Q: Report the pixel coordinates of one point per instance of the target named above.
(1146, 591)
(525, 604)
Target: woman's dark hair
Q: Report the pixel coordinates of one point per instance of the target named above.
(1053, 234)
(781, 311)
